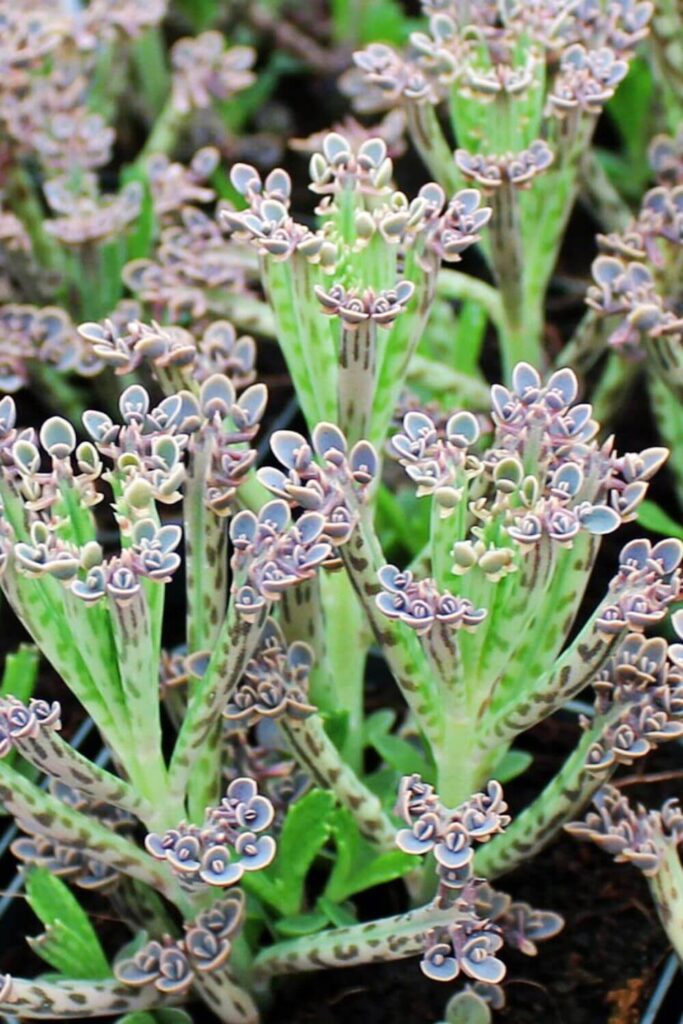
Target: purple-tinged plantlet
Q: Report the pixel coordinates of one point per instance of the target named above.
(225, 845)
(523, 94)
(371, 265)
(515, 530)
(461, 930)
(647, 839)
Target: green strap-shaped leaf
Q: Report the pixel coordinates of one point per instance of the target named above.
(70, 943)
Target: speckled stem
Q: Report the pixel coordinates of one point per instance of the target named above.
(206, 563)
(516, 601)
(356, 378)
(320, 347)
(230, 1003)
(667, 893)
(36, 604)
(363, 557)
(440, 645)
(391, 938)
(574, 670)
(43, 999)
(58, 759)
(141, 908)
(138, 668)
(317, 754)
(42, 813)
(546, 634)
(505, 235)
(200, 730)
(302, 618)
(562, 800)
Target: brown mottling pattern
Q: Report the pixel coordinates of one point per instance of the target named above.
(318, 755)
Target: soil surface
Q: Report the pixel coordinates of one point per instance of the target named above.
(601, 969)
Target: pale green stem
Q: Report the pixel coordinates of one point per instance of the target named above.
(149, 56)
(574, 670)
(430, 142)
(346, 647)
(391, 938)
(562, 800)
(245, 312)
(452, 284)
(164, 135)
(666, 887)
(443, 380)
(600, 195)
(317, 754)
(668, 412)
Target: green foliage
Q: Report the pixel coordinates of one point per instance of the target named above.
(630, 110)
(168, 1015)
(369, 21)
(512, 764)
(400, 754)
(467, 1008)
(18, 680)
(653, 517)
(305, 831)
(70, 943)
(402, 522)
(20, 673)
(357, 866)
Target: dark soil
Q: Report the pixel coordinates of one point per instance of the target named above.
(602, 968)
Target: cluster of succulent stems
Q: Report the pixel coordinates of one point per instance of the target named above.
(251, 736)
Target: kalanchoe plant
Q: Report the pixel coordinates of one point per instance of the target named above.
(523, 86)
(648, 840)
(352, 298)
(634, 303)
(476, 631)
(521, 510)
(234, 815)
